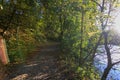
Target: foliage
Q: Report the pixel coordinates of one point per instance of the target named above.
(19, 45)
(25, 23)
(76, 41)
(20, 25)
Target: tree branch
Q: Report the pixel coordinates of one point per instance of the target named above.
(115, 63)
(93, 51)
(96, 3)
(110, 6)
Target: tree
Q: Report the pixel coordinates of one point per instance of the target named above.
(106, 7)
(77, 25)
(18, 16)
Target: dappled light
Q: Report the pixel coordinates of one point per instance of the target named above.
(59, 39)
(43, 66)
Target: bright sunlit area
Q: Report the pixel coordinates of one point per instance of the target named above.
(103, 58)
(116, 21)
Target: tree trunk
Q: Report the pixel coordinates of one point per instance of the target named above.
(106, 72)
(3, 51)
(109, 60)
(81, 32)
(61, 28)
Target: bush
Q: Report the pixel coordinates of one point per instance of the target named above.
(19, 45)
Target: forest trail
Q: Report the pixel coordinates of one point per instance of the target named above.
(43, 64)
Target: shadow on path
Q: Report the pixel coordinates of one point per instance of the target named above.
(42, 64)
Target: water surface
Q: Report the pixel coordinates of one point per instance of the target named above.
(100, 61)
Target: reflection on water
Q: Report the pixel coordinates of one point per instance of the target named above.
(100, 61)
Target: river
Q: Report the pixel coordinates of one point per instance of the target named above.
(100, 61)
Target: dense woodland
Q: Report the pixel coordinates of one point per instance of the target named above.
(78, 25)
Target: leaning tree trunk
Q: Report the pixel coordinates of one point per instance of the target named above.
(106, 72)
(3, 51)
(109, 60)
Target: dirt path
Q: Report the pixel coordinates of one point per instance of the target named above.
(42, 64)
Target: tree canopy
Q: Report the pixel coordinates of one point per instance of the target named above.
(75, 24)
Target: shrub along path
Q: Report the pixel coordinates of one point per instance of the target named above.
(43, 64)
